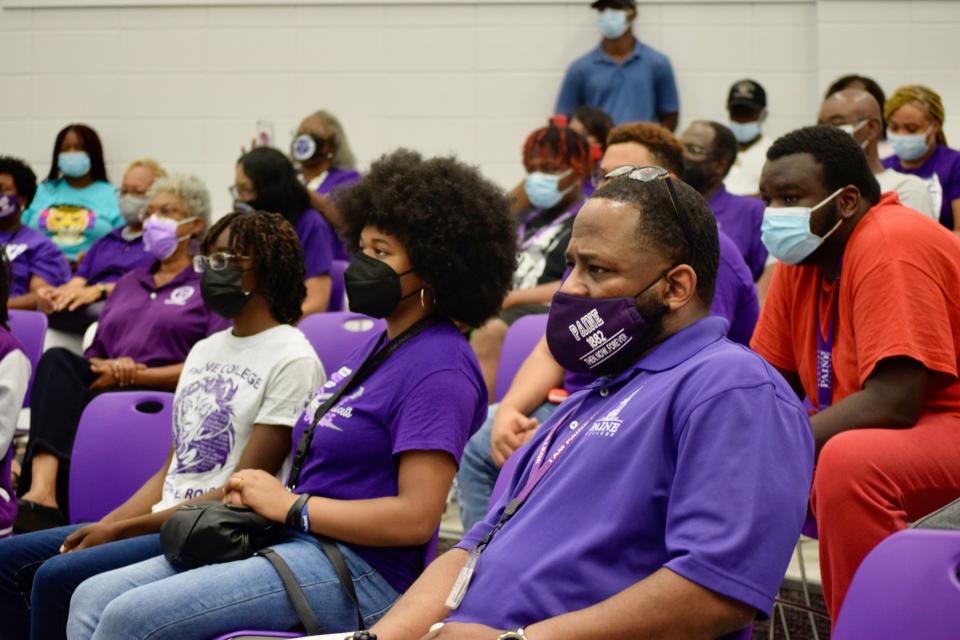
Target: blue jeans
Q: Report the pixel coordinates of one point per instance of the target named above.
(152, 599)
(478, 474)
(37, 581)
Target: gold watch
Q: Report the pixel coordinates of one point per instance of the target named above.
(513, 635)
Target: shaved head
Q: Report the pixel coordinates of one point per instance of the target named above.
(852, 103)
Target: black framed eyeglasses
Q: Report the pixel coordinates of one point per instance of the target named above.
(649, 174)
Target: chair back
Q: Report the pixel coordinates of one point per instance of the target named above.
(123, 438)
(906, 587)
(336, 333)
(522, 337)
(336, 302)
(30, 328)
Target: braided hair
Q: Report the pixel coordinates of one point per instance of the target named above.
(278, 258)
(560, 141)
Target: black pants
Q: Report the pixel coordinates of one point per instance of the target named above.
(76, 322)
(61, 390)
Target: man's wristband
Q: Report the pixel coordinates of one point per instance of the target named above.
(103, 292)
(513, 635)
(297, 517)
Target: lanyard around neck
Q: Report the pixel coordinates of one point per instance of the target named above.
(825, 347)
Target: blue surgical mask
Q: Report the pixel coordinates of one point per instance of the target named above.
(73, 163)
(786, 234)
(851, 130)
(744, 132)
(543, 189)
(909, 147)
(612, 23)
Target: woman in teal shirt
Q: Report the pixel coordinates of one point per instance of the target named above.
(76, 204)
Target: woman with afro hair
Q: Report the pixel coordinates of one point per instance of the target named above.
(433, 249)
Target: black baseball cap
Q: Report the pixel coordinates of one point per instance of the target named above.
(747, 93)
(630, 4)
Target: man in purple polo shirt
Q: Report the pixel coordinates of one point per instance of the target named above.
(657, 500)
(532, 397)
(709, 151)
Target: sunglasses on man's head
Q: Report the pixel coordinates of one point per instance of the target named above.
(649, 174)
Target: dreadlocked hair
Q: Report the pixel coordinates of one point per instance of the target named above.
(562, 143)
(278, 258)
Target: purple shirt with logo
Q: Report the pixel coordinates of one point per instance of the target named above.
(740, 218)
(944, 168)
(319, 242)
(110, 257)
(427, 396)
(735, 300)
(680, 465)
(155, 326)
(32, 253)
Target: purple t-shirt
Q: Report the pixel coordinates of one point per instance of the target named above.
(735, 300)
(112, 256)
(942, 174)
(337, 179)
(154, 326)
(318, 241)
(32, 253)
(740, 218)
(427, 396)
(680, 465)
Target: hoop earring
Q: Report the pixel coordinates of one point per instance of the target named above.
(423, 305)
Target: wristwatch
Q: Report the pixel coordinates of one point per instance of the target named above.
(513, 635)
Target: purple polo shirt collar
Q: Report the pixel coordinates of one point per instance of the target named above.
(670, 353)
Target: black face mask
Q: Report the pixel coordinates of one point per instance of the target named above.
(373, 287)
(695, 174)
(222, 291)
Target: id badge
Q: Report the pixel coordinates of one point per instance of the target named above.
(459, 589)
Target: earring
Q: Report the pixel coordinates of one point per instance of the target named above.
(423, 305)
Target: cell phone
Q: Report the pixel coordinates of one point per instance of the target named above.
(265, 136)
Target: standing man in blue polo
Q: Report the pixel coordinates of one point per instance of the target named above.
(665, 498)
(622, 76)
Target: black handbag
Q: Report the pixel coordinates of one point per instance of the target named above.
(214, 532)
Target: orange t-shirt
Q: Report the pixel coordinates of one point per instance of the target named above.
(899, 296)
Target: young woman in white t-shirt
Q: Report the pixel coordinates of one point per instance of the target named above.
(240, 393)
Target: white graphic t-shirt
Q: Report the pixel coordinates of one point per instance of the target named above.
(228, 385)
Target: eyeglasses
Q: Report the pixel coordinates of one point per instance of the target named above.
(241, 193)
(649, 174)
(216, 261)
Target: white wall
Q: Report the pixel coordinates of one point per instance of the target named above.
(188, 84)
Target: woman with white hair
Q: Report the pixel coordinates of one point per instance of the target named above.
(322, 151)
(153, 317)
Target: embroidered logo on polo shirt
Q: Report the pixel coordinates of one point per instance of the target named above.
(180, 295)
(14, 251)
(610, 423)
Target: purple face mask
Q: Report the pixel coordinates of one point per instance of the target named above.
(9, 205)
(600, 336)
(160, 236)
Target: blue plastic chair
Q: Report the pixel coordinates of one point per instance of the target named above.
(122, 439)
(30, 328)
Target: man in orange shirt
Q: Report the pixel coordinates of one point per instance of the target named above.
(862, 318)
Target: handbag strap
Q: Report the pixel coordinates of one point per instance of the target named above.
(377, 357)
(294, 592)
(339, 563)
